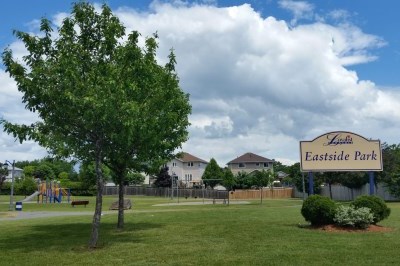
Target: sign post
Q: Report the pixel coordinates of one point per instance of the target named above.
(371, 182)
(310, 183)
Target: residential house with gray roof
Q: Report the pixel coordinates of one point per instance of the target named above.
(188, 168)
(250, 162)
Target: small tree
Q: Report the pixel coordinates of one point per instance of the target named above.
(29, 170)
(212, 174)
(354, 180)
(243, 180)
(163, 178)
(44, 172)
(262, 179)
(3, 174)
(297, 177)
(134, 178)
(228, 181)
(331, 178)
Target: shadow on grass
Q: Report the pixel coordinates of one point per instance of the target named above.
(74, 236)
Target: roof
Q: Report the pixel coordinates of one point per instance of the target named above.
(250, 158)
(187, 157)
(9, 167)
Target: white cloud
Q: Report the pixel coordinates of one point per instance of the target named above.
(300, 9)
(259, 85)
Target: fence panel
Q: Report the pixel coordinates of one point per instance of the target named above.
(343, 193)
(168, 192)
(276, 193)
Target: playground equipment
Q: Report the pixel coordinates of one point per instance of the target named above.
(51, 191)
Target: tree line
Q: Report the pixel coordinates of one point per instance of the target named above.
(216, 175)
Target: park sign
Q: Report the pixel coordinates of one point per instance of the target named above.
(340, 151)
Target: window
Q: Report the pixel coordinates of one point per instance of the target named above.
(190, 164)
(265, 164)
(188, 177)
(174, 164)
(242, 165)
(257, 164)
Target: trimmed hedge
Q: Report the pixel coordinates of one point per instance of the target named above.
(318, 210)
(377, 206)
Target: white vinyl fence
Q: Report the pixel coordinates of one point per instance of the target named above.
(340, 192)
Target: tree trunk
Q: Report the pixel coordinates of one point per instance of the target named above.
(99, 203)
(120, 224)
(330, 190)
(261, 192)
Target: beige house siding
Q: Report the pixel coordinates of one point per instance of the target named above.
(188, 172)
(250, 167)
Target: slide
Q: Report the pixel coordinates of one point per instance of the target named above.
(31, 196)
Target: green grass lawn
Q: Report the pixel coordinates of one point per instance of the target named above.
(251, 234)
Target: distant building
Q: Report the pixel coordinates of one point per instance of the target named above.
(17, 173)
(250, 162)
(188, 168)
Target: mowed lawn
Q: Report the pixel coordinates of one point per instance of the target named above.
(251, 234)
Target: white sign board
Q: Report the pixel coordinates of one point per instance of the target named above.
(340, 151)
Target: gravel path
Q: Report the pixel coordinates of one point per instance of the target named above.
(20, 215)
(201, 202)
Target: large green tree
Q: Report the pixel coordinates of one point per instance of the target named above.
(67, 81)
(391, 168)
(99, 96)
(151, 115)
(213, 174)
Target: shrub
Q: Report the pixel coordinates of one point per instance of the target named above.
(350, 216)
(378, 207)
(318, 210)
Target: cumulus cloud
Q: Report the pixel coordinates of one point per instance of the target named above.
(300, 9)
(262, 84)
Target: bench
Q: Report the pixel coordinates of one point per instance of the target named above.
(79, 202)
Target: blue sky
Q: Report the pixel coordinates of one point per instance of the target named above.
(262, 75)
(380, 18)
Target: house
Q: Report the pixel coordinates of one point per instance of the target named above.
(281, 175)
(17, 173)
(188, 168)
(250, 162)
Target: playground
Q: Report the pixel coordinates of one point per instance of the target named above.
(271, 233)
(50, 191)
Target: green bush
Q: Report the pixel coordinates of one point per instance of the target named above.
(350, 216)
(25, 186)
(318, 210)
(378, 206)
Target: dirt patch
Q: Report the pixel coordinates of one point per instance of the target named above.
(335, 228)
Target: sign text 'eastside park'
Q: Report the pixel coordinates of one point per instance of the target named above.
(341, 151)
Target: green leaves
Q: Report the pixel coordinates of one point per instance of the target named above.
(99, 99)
